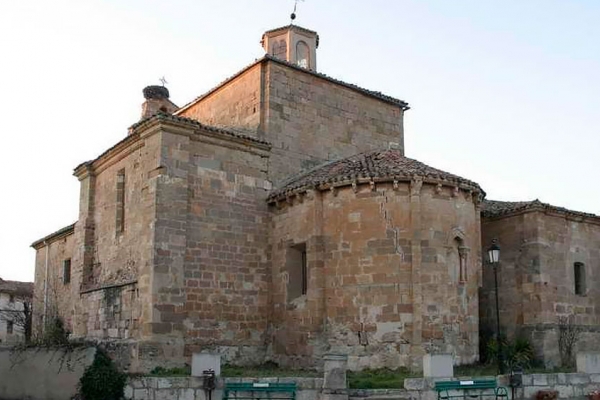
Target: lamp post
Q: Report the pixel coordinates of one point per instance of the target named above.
(494, 257)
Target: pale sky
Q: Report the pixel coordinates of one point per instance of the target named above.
(505, 93)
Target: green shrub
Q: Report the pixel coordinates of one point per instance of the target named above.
(517, 353)
(102, 380)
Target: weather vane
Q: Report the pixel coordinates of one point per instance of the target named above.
(293, 16)
(163, 81)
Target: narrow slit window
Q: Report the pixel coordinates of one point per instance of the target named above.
(304, 273)
(67, 271)
(579, 271)
(9, 327)
(120, 217)
(297, 271)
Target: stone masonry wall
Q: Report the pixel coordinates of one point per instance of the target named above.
(235, 105)
(536, 279)
(60, 295)
(310, 120)
(298, 332)
(210, 284)
(566, 242)
(391, 279)
(112, 266)
(519, 280)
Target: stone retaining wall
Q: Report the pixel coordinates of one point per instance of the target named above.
(569, 386)
(190, 388)
(42, 374)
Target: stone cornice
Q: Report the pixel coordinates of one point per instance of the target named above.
(53, 237)
(474, 193)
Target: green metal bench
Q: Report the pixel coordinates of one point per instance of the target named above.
(477, 388)
(259, 390)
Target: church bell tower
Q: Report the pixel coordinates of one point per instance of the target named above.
(293, 44)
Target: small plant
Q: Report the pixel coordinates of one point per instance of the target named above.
(594, 395)
(546, 395)
(516, 354)
(54, 333)
(568, 335)
(102, 380)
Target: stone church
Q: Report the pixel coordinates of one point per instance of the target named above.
(276, 218)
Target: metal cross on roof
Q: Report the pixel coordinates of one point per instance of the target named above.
(163, 81)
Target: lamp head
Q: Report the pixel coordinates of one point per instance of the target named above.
(494, 253)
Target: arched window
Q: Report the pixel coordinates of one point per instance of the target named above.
(280, 49)
(579, 272)
(302, 54)
(457, 260)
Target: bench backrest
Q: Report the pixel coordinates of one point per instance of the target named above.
(260, 387)
(467, 384)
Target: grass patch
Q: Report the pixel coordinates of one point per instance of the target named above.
(555, 370)
(383, 378)
(177, 371)
(476, 370)
(492, 370)
(266, 370)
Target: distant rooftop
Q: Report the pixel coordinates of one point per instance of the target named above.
(16, 287)
(495, 208)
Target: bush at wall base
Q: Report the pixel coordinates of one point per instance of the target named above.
(102, 380)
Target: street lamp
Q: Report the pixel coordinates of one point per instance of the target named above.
(494, 257)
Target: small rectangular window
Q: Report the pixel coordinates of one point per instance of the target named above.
(11, 298)
(9, 327)
(579, 272)
(67, 271)
(120, 206)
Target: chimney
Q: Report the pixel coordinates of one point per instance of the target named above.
(157, 100)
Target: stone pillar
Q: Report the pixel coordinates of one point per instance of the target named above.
(416, 350)
(334, 377)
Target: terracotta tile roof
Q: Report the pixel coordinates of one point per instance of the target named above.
(289, 26)
(267, 57)
(495, 208)
(67, 230)
(379, 165)
(16, 287)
